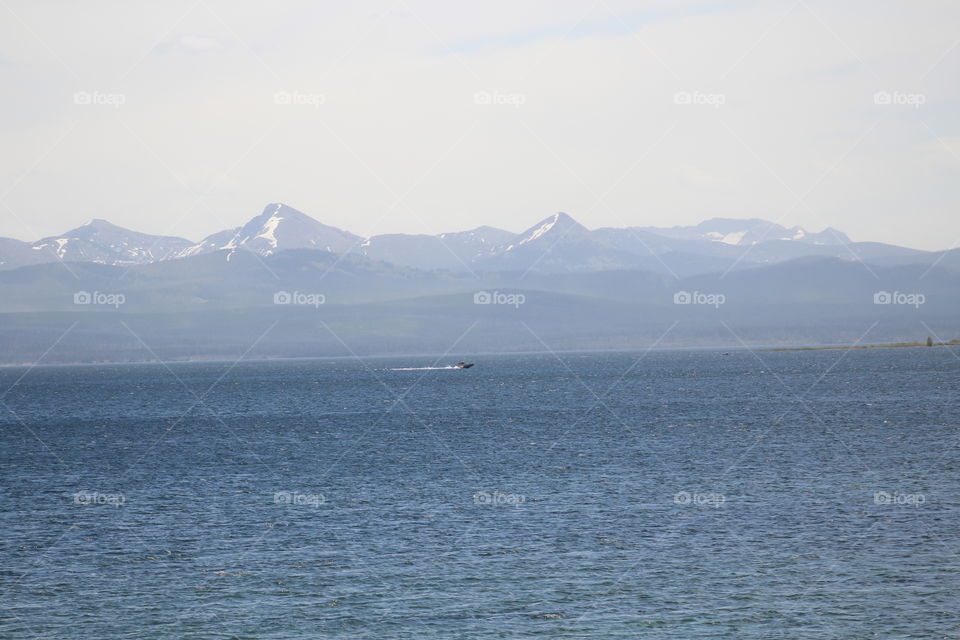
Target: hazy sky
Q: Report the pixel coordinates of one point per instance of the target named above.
(185, 118)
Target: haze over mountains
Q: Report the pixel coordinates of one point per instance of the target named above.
(556, 244)
(285, 284)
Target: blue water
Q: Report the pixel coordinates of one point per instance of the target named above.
(691, 494)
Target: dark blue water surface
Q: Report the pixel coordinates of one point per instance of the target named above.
(692, 494)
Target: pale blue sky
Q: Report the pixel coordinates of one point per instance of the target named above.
(184, 118)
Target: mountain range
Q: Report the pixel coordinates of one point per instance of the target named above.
(284, 285)
(557, 244)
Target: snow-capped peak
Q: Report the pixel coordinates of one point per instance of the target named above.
(277, 228)
(742, 232)
(101, 241)
(558, 223)
(269, 229)
(542, 229)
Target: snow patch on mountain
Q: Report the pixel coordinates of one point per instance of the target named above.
(739, 232)
(270, 229)
(542, 229)
(728, 238)
(278, 228)
(556, 244)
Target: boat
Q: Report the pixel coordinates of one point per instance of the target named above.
(463, 365)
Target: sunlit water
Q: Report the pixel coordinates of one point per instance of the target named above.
(691, 494)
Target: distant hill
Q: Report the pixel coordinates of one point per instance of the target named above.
(285, 284)
(96, 241)
(556, 244)
(218, 304)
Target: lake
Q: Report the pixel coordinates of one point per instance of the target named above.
(669, 494)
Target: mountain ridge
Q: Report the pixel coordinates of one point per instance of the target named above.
(556, 244)
(204, 306)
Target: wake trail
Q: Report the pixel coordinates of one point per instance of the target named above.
(422, 368)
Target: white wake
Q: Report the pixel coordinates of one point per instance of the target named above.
(423, 368)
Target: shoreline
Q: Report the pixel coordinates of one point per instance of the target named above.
(215, 360)
(888, 345)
